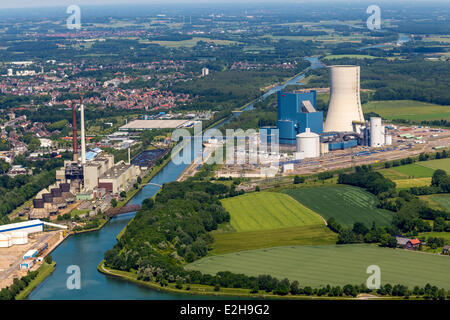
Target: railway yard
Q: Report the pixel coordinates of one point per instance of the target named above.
(12, 257)
(407, 142)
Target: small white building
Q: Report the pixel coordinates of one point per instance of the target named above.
(288, 168)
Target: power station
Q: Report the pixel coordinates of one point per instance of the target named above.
(83, 178)
(344, 109)
(300, 124)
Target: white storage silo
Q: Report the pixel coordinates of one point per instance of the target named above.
(5, 240)
(299, 155)
(19, 237)
(388, 140)
(324, 148)
(345, 103)
(376, 132)
(309, 143)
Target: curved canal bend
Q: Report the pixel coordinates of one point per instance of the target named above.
(86, 250)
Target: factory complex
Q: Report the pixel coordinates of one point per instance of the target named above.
(89, 176)
(300, 123)
(23, 246)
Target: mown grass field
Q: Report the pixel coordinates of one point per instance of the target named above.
(408, 110)
(417, 174)
(269, 219)
(302, 235)
(406, 172)
(410, 183)
(317, 266)
(443, 164)
(443, 200)
(415, 170)
(268, 210)
(445, 235)
(346, 204)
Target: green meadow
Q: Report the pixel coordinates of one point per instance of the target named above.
(346, 204)
(318, 266)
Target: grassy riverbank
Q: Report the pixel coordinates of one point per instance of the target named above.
(204, 290)
(44, 271)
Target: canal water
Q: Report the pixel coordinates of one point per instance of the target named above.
(87, 250)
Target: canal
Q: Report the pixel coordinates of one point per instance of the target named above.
(86, 250)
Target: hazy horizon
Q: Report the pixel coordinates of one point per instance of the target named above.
(61, 3)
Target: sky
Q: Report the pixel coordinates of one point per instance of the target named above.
(59, 3)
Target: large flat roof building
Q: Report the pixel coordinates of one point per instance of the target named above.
(118, 178)
(156, 124)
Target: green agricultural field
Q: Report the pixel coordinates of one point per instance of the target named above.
(414, 171)
(445, 235)
(303, 235)
(443, 164)
(346, 204)
(408, 172)
(269, 219)
(317, 266)
(351, 56)
(268, 210)
(410, 183)
(392, 174)
(408, 110)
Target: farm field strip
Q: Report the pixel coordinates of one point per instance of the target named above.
(268, 210)
(443, 200)
(300, 235)
(443, 164)
(410, 183)
(333, 264)
(415, 170)
(346, 204)
(408, 110)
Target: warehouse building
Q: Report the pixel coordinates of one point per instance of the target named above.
(31, 226)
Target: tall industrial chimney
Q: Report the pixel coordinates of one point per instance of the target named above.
(74, 133)
(83, 138)
(345, 104)
(129, 156)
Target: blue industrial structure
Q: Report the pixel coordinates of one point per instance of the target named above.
(341, 145)
(268, 134)
(296, 112)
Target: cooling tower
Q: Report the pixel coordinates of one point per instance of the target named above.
(345, 104)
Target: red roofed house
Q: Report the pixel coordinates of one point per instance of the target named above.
(406, 243)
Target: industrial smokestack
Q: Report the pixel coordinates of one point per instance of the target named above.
(83, 138)
(74, 133)
(129, 156)
(345, 103)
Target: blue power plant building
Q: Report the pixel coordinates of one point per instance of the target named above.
(296, 112)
